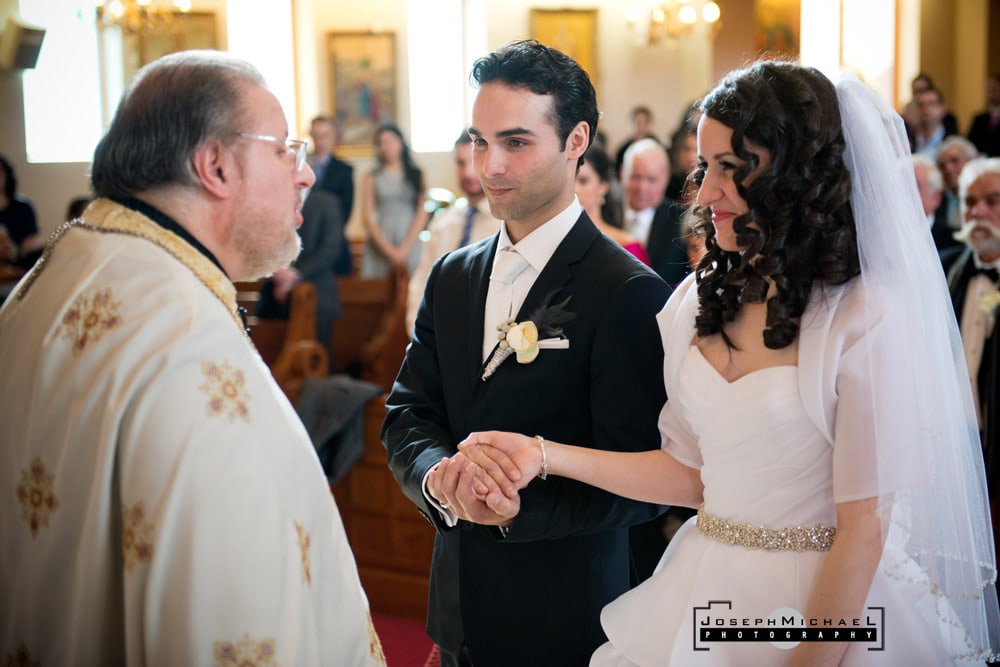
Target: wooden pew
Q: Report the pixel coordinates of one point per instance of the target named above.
(370, 338)
(288, 347)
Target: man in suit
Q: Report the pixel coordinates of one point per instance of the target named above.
(954, 153)
(985, 130)
(930, 186)
(456, 227)
(322, 234)
(972, 281)
(526, 587)
(333, 176)
(650, 216)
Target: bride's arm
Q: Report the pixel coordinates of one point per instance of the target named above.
(844, 580)
(649, 476)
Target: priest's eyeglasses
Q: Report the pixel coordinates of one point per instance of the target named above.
(294, 147)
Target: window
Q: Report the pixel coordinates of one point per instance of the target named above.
(444, 38)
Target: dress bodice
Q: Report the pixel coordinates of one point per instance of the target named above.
(764, 460)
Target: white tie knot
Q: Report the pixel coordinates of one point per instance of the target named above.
(508, 265)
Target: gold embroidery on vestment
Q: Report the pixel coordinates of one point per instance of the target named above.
(89, 318)
(245, 653)
(137, 536)
(374, 643)
(226, 389)
(304, 542)
(36, 496)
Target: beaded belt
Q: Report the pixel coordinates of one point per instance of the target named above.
(817, 538)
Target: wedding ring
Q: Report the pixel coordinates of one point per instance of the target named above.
(444, 506)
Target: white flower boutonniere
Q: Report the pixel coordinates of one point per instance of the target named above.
(521, 338)
(990, 301)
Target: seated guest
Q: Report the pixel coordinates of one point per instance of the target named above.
(930, 186)
(649, 216)
(175, 511)
(322, 234)
(953, 154)
(457, 226)
(985, 130)
(929, 130)
(18, 225)
(592, 189)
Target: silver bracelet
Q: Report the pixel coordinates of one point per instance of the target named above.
(544, 472)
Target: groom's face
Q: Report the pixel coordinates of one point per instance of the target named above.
(527, 173)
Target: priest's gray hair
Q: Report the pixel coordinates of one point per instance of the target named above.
(171, 107)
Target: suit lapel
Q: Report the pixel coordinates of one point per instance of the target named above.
(559, 270)
(481, 262)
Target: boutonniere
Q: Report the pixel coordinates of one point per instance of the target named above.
(522, 338)
(988, 302)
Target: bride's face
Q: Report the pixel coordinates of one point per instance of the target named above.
(718, 188)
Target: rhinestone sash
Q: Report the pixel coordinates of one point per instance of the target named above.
(817, 538)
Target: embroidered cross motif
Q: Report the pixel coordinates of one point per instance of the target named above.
(89, 318)
(137, 541)
(245, 653)
(304, 542)
(226, 389)
(36, 496)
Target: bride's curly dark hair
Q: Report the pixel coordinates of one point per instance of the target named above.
(800, 202)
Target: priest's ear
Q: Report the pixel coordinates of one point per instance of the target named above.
(216, 166)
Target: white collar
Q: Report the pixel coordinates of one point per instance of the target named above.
(539, 246)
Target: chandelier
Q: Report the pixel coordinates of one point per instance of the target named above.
(139, 17)
(671, 20)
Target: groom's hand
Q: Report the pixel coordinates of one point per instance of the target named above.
(454, 484)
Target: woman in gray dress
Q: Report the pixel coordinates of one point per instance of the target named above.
(392, 207)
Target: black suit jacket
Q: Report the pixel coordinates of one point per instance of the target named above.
(986, 140)
(533, 598)
(667, 243)
(322, 234)
(338, 179)
(941, 231)
(960, 268)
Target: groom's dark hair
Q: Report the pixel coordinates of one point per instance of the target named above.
(544, 71)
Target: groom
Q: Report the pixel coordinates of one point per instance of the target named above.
(527, 588)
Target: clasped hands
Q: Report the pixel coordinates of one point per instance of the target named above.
(482, 482)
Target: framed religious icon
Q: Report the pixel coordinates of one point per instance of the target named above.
(362, 79)
(572, 31)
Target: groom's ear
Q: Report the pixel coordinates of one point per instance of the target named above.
(578, 141)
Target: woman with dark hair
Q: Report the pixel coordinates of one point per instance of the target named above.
(392, 207)
(18, 226)
(819, 412)
(593, 189)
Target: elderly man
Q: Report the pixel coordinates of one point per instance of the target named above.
(972, 280)
(168, 506)
(952, 156)
(649, 216)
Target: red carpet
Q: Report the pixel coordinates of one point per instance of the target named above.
(404, 640)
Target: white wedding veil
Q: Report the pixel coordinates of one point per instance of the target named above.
(932, 486)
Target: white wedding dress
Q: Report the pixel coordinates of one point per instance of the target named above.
(763, 463)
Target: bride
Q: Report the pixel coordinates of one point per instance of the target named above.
(819, 415)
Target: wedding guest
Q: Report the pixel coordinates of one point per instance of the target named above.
(842, 475)
(457, 227)
(593, 187)
(18, 225)
(392, 207)
(166, 505)
(975, 291)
